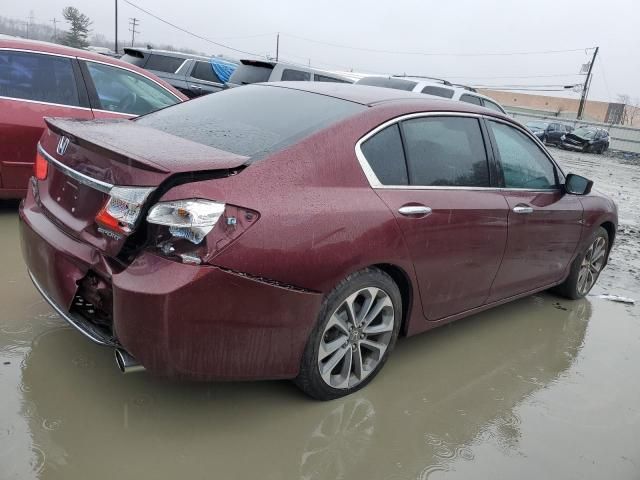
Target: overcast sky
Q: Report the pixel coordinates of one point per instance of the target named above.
(440, 27)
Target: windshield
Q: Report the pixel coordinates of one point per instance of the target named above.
(537, 125)
(254, 120)
(584, 132)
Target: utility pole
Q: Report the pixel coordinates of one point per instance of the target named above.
(277, 46)
(587, 84)
(116, 25)
(31, 19)
(133, 23)
(55, 29)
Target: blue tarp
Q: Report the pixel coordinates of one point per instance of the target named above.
(223, 68)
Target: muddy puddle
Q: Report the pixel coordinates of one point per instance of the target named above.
(540, 388)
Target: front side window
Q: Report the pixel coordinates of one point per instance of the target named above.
(445, 151)
(123, 91)
(290, 75)
(163, 63)
(524, 165)
(38, 77)
(471, 99)
(204, 71)
(385, 155)
(438, 91)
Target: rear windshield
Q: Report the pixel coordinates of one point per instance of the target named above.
(247, 74)
(254, 120)
(133, 58)
(396, 83)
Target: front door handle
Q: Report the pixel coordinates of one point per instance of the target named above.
(411, 210)
(522, 209)
(196, 87)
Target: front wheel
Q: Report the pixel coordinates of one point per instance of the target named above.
(586, 268)
(356, 330)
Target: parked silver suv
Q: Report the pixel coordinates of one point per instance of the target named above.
(255, 71)
(433, 86)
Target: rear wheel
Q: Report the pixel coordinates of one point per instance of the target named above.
(356, 330)
(586, 268)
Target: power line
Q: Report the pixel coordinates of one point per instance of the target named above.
(191, 33)
(435, 54)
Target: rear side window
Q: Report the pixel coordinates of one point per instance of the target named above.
(247, 74)
(289, 75)
(438, 91)
(324, 78)
(163, 63)
(38, 77)
(396, 83)
(204, 71)
(524, 165)
(385, 155)
(492, 106)
(254, 120)
(445, 151)
(122, 91)
(471, 99)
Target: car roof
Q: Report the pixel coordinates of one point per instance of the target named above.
(370, 96)
(55, 49)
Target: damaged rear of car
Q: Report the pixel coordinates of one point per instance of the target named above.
(123, 221)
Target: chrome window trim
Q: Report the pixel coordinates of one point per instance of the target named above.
(374, 182)
(39, 52)
(99, 185)
(131, 71)
(130, 115)
(44, 103)
(180, 67)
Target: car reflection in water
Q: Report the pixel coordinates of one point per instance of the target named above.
(452, 389)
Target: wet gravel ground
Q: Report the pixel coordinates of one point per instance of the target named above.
(539, 388)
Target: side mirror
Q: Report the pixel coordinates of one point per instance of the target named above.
(577, 185)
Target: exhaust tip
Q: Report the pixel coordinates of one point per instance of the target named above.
(126, 363)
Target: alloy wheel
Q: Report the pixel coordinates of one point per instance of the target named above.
(592, 264)
(356, 338)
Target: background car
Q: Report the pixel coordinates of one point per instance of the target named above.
(548, 132)
(193, 75)
(39, 79)
(322, 230)
(434, 87)
(256, 71)
(586, 139)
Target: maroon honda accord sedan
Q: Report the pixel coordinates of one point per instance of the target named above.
(295, 230)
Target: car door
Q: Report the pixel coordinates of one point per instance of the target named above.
(545, 224)
(454, 224)
(203, 80)
(118, 92)
(33, 86)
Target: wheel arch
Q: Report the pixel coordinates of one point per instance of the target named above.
(401, 278)
(611, 231)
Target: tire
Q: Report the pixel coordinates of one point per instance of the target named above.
(572, 287)
(544, 139)
(334, 332)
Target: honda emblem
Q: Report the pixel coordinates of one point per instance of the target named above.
(63, 143)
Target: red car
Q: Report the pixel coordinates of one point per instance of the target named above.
(39, 79)
(294, 230)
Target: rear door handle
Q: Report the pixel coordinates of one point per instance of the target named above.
(411, 210)
(197, 87)
(522, 209)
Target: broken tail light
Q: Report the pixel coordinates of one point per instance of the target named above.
(194, 230)
(41, 167)
(123, 208)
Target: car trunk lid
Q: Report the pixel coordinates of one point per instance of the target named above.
(89, 161)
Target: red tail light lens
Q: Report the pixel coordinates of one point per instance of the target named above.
(41, 167)
(120, 213)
